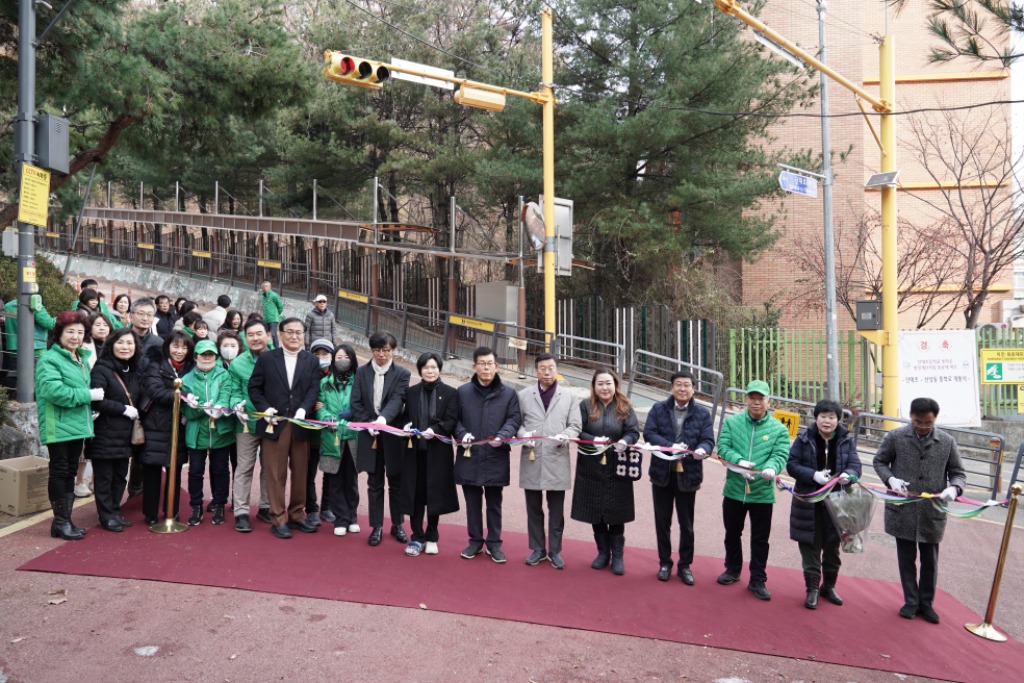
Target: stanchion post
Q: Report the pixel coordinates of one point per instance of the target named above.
(171, 525)
(986, 630)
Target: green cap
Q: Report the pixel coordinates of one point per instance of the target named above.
(207, 346)
(758, 386)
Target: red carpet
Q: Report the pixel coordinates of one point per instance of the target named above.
(865, 632)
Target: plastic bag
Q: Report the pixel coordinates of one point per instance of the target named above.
(851, 511)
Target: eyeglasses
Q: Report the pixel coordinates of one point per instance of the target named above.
(293, 333)
(384, 351)
(486, 363)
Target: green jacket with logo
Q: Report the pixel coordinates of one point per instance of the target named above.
(210, 388)
(62, 396)
(272, 307)
(239, 373)
(764, 442)
(336, 400)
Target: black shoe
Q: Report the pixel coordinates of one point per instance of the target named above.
(908, 611)
(218, 514)
(686, 576)
(829, 593)
(328, 516)
(812, 599)
(197, 515)
(727, 577)
(930, 615)
(242, 524)
(150, 521)
(497, 556)
(124, 522)
(759, 590)
(209, 506)
(556, 561)
(281, 530)
(471, 551)
(376, 535)
(263, 514)
(313, 518)
(536, 557)
(303, 525)
(134, 491)
(664, 571)
(113, 525)
(399, 533)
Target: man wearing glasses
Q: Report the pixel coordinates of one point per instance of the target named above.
(141, 319)
(488, 414)
(285, 383)
(378, 395)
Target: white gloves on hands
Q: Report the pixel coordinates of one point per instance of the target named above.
(768, 473)
(495, 442)
(407, 427)
(821, 477)
(270, 413)
(215, 412)
(428, 433)
(898, 485)
(601, 439)
(240, 412)
(562, 439)
(948, 494)
(381, 420)
(531, 443)
(844, 479)
(700, 454)
(681, 446)
(300, 414)
(131, 413)
(749, 476)
(621, 446)
(96, 394)
(467, 440)
(190, 400)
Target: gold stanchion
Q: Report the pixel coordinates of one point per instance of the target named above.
(170, 525)
(986, 630)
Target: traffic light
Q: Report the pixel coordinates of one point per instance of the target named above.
(355, 70)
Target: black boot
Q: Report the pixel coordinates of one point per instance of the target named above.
(218, 513)
(828, 589)
(197, 515)
(618, 545)
(811, 582)
(603, 552)
(61, 526)
(70, 498)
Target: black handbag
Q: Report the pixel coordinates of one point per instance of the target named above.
(629, 464)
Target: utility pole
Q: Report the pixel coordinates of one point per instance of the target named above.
(24, 146)
(831, 324)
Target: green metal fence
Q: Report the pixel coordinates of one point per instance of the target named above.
(793, 362)
(1000, 400)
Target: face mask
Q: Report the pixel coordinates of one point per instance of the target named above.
(325, 363)
(343, 365)
(228, 354)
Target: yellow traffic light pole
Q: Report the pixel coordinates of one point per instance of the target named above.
(491, 97)
(886, 337)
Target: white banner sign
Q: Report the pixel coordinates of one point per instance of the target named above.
(943, 365)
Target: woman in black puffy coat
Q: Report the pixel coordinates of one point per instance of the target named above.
(116, 374)
(825, 449)
(172, 361)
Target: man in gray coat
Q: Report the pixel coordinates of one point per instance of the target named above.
(919, 458)
(319, 322)
(548, 410)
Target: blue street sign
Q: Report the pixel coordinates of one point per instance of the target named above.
(798, 184)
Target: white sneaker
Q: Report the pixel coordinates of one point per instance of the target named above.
(82, 490)
(354, 528)
(431, 548)
(340, 531)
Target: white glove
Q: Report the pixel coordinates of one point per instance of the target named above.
(428, 433)
(562, 439)
(190, 400)
(300, 414)
(897, 485)
(240, 412)
(768, 473)
(531, 443)
(467, 440)
(680, 447)
(216, 412)
(407, 427)
(745, 463)
(948, 494)
(495, 442)
(601, 439)
(700, 454)
(381, 420)
(844, 479)
(821, 477)
(131, 413)
(621, 446)
(96, 394)
(94, 415)
(270, 413)
(749, 476)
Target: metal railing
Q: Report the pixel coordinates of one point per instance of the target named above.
(592, 353)
(649, 377)
(734, 400)
(981, 452)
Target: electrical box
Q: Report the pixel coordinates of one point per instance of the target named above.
(869, 315)
(10, 243)
(52, 143)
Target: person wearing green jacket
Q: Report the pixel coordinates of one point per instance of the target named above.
(64, 404)
(209, 432)
(759, 445)
(337, 444)
(248, 444)
(44, 322)
(273, 309)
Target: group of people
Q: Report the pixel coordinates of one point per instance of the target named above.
(290, 404)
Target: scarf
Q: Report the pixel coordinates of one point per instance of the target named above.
(547, 394)
(428, 409)
(176, 365)
(378, 383)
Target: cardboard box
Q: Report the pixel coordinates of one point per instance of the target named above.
(23, 485)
